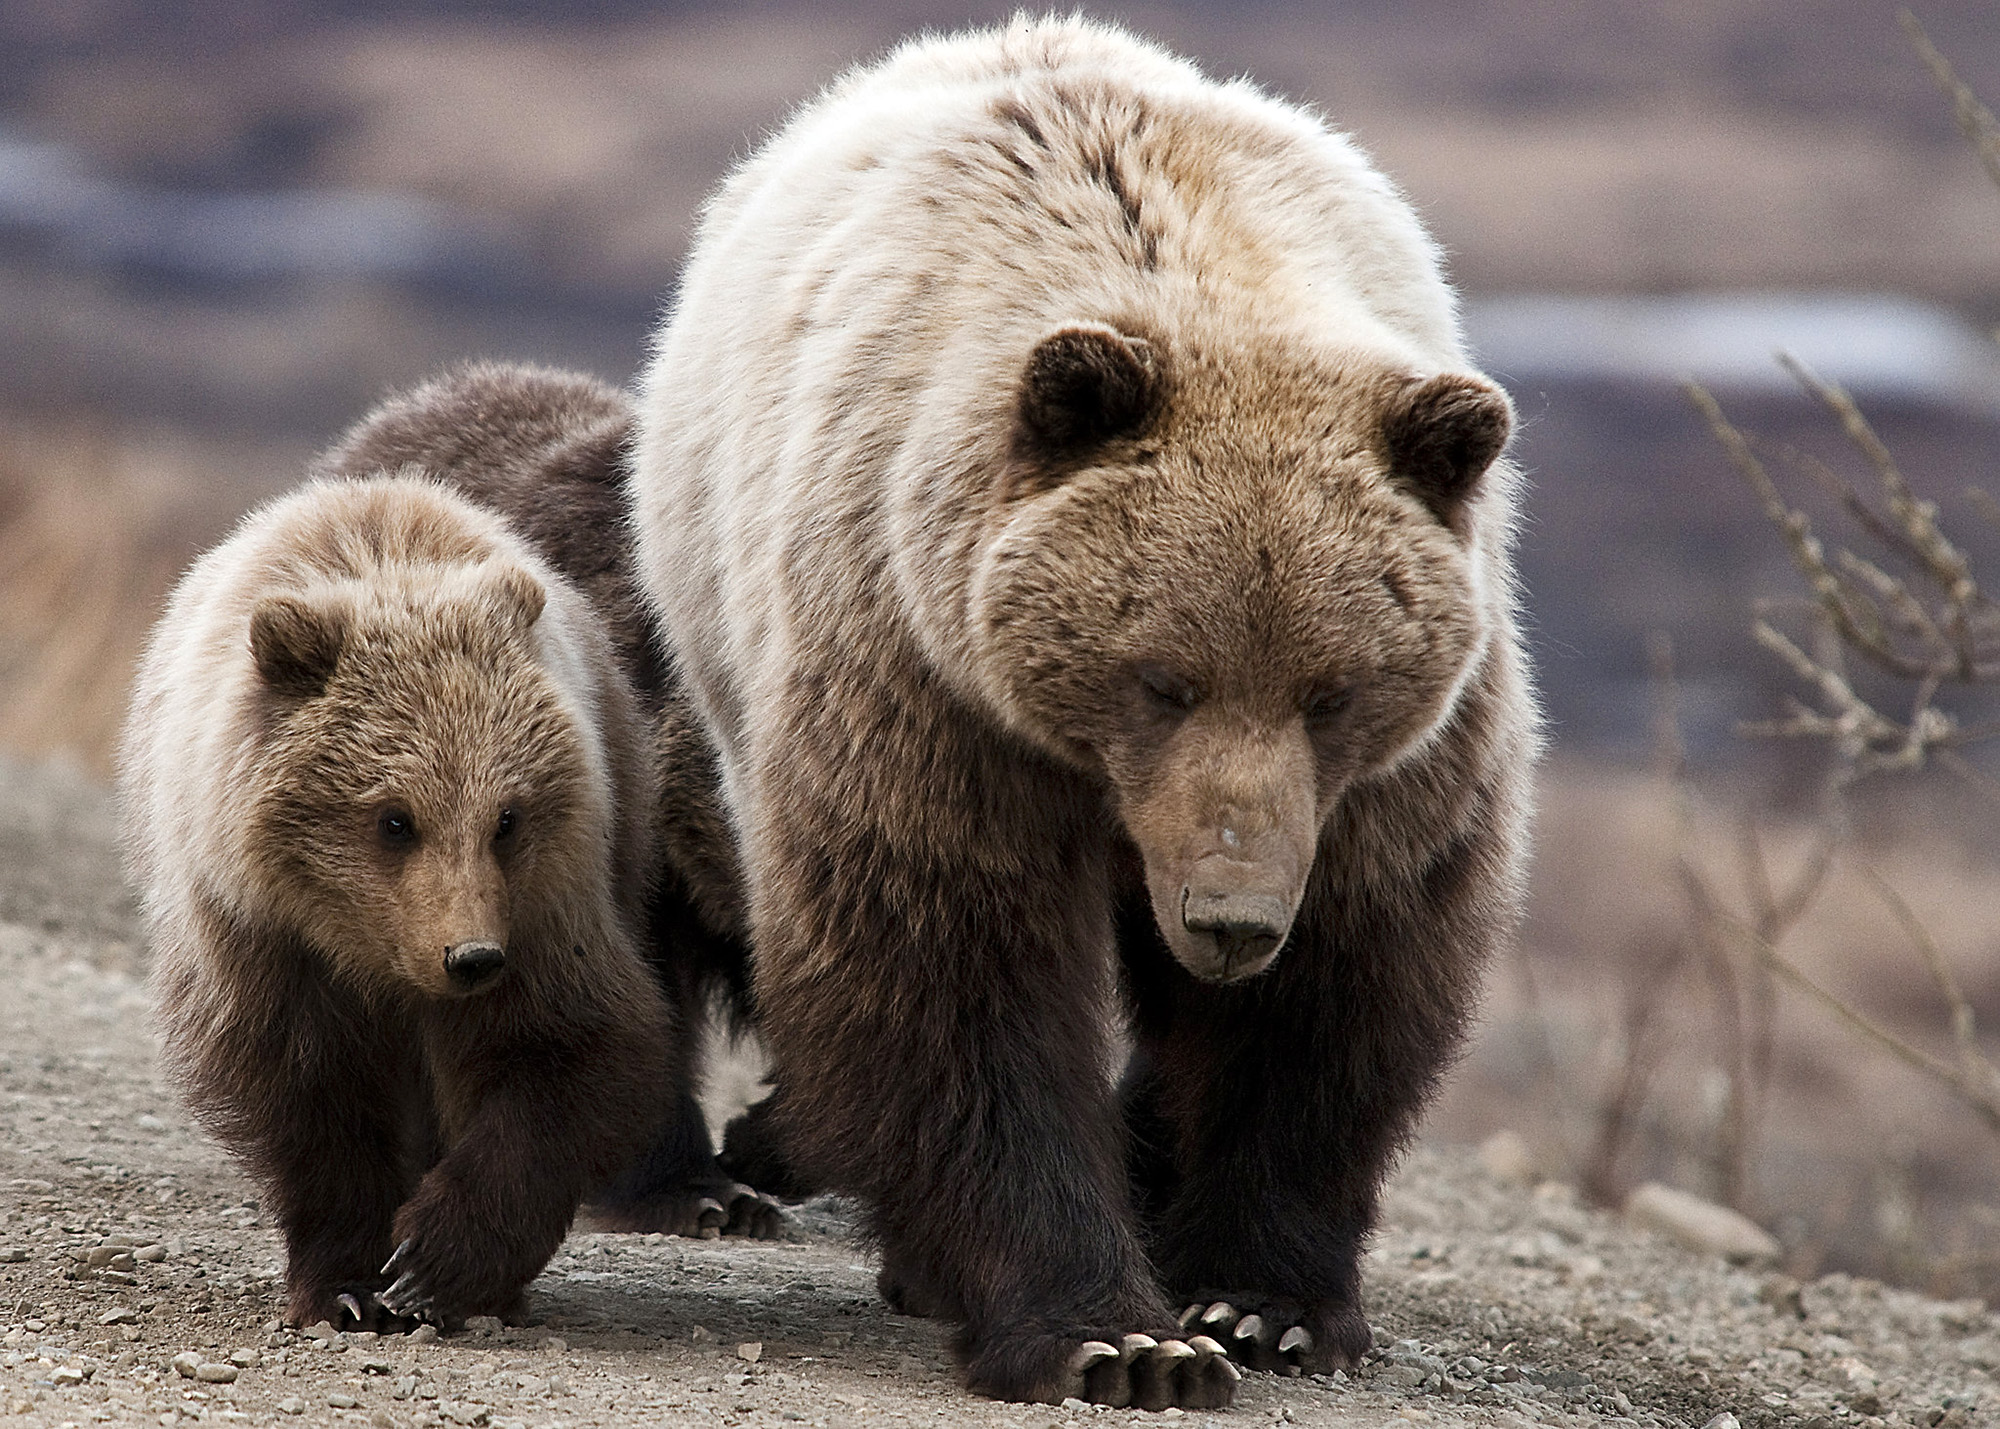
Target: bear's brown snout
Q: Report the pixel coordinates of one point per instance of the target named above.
(474, 964)
(1234, 918)
(1246, 926)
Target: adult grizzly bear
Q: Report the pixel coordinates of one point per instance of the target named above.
(1078, 520)
(388, 801)
(546, 450)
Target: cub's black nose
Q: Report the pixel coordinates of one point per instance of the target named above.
(474, 964)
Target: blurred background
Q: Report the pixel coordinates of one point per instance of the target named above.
(229, 226)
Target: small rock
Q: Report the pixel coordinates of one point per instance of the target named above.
(1700, 1225)
(482, 1324)
(12, 1254)
(700, 1334)
(150, 1254)
(1724, 1420)
(186, 1363)
(67, 1374)
(1506, 1157)
(293, 1405)
(243, 1359)
(751, 1351)
(1783, 1294)
(216, 1373)
(423, 1334)
(1073, 1405)
(348, 1401)
(123, 1315)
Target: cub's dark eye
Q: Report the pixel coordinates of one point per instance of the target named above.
(1166, 692)
(396, 828)
(1324, 706)
(504, 830)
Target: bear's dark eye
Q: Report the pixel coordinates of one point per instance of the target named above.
(1326, 705)
(396, 828)
(1166, 692)
(504, 830)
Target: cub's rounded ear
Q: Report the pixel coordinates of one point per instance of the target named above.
(1441, 434)
(1083, 385)
(519, 595)
(296, 644)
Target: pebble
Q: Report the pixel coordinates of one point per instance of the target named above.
(1700, 1225)
(751, 1351)
(123, 1315)
(343, 1401)
(186, 1363)
(423, 1334)
(216, 1373)
(293, 1405)
(1724, 1420)
(1506, 1157)
(12, 1254)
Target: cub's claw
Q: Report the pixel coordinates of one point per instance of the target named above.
(407, 1297)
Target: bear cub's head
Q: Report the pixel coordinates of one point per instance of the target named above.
(421, 774)
(1236, 580)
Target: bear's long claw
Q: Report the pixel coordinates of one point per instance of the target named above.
(398, 1257)
(1297, 1338)
(353, 1307)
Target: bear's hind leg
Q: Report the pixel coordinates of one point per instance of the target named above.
(676, 1187)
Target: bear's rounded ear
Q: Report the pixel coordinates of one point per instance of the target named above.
(1441, 434)
(296, 644)
(1083, 385)
(520, 595)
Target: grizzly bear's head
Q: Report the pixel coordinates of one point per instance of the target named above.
(1236, 580)
(423, 779)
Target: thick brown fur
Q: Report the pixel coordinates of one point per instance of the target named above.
(388, 804)
(545, 450)
(1077, 516)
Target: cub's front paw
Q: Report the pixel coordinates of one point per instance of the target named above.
(1287, 1336)
(412, 1294)
(1131, 1370)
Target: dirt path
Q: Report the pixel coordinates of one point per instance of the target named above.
(127, 1242)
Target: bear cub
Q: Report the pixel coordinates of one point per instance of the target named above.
(387, 802)
(545, 450)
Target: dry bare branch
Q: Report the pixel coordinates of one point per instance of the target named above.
(1975, 120)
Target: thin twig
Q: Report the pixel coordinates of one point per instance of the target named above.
(1975, 120)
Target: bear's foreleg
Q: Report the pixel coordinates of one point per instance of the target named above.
(318, 1094)
(939, 1027)
(538, 1105)
(1267, 1114)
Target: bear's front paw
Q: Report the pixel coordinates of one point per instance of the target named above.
(1137, 1371)
(412, 1294)
(1285, 1336)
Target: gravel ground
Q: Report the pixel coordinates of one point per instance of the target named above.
(139, 1282)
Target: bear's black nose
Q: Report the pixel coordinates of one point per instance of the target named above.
(1246, 927)
(474, 964)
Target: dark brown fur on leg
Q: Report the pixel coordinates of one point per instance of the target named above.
(982, 1102)
(1264, 1116)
